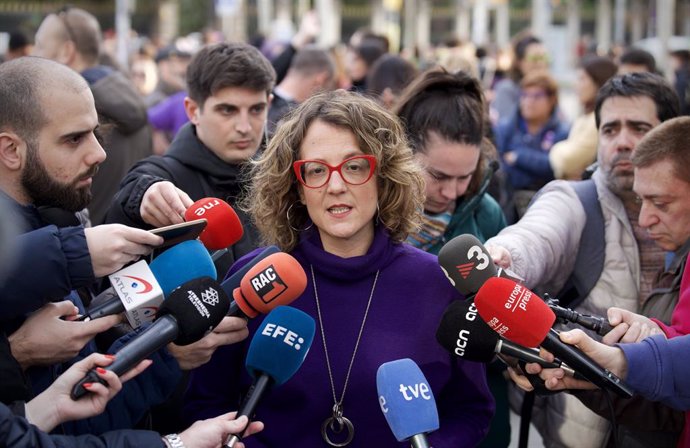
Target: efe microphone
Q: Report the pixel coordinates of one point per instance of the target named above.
(191, 311)
(407, 401)
(519, 315)
(463, 333)
(275, 353)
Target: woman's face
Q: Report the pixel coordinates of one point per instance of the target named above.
(586, 88)
(536, 105)
(343, 213)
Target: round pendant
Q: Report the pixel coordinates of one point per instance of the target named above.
(336, 425)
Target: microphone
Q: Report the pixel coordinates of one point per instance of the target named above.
(519, 315)
(466, 263)
(275, 353)
(276, 280)
(224, 227)
(407, 401)
(599, 325)
(234, 281)
(467, 336)
(191, 311)
(139, 289)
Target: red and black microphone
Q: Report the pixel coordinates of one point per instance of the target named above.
(519, 315)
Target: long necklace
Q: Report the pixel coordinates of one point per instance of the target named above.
(337, 422)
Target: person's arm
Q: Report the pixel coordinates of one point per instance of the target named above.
(531, 161)
(571, 156)
(680, 319)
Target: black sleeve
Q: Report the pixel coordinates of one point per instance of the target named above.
(281, 63)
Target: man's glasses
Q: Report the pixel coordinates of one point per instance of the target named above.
(354, 171)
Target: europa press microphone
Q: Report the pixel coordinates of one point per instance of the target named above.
(138, 289)
(191, 311)
(224, 227)
(467, 264)
(407, 401)
(519, 315)
(463, 333)
(275, 353)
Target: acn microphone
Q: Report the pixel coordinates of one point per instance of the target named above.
(191, 311)
(464, 334)
(519, 315)
(275, 353)
(407, 401)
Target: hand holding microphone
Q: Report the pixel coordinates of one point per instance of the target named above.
(164, 204)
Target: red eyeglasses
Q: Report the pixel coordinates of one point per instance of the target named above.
(354, 171)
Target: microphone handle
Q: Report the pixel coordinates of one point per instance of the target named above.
(162, 331)
(251, 401)
(231, 283)
(598, 324)
(585, 365)
(524, 354)
(419, 441)
(109, 308)
(236, 311)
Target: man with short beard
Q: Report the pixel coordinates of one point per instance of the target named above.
(543, 245)
(49, 153)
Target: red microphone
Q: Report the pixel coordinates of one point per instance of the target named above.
(224, 227)
(521, 316)
(276, 280)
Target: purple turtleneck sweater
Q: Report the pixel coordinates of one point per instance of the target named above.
(410, 296)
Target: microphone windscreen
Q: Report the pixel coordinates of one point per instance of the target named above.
(466, 263)
(463, 333)
(280, 344)
(276, 280)
(180, 263)
(406, 399)
(224, 227)
(198, 306)
(514, 312)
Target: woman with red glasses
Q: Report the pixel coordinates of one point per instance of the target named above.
(338, 188)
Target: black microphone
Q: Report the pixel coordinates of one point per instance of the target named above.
(600, 325)
(466, 263)
(463, 333)
(518, 314)
(231, 283)
(191, 311)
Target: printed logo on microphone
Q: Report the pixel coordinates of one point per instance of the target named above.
(288, 336)
(201, 210)
(198, 304)
(464, 335)
(210, 297)
(465, 269)
(268, 285)
(139, 283)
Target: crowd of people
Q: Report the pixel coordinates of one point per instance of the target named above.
(361, 166)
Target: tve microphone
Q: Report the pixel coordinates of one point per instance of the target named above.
(139, 289)
(463, 333)
(276, 280)
(275, 353)
(191, 311)
(519, 315)
(224, 227)
(407, 401)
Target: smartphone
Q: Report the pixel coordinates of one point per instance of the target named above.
(177, 233)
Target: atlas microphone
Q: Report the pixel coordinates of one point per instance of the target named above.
(468, 265)
(407, 401)
(275, 280)
(224, 227)
(463, 333)
(191, 311)
(139, 289)
(275, 353)
(520, 316)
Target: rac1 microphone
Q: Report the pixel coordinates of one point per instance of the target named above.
(191, 311)
(463, 333)
(276, 280)
(519, 315)
(235, 280)
(139, 289)
(275, 353)
(407, 401)
(224, 227)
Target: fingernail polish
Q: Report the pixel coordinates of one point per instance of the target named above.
(110, 356)
(87, 385)
(100, 370)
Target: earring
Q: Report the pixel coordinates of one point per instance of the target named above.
(287, 214)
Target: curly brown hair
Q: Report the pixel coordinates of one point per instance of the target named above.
(274, 187)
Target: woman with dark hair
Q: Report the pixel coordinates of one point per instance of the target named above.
(338, 188)
(525, 139)
(529, 55)
(570, 157)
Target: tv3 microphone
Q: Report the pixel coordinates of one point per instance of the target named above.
(275, 354)
(407, 401)
(464, 334)
(521, 316)
(192, 311)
